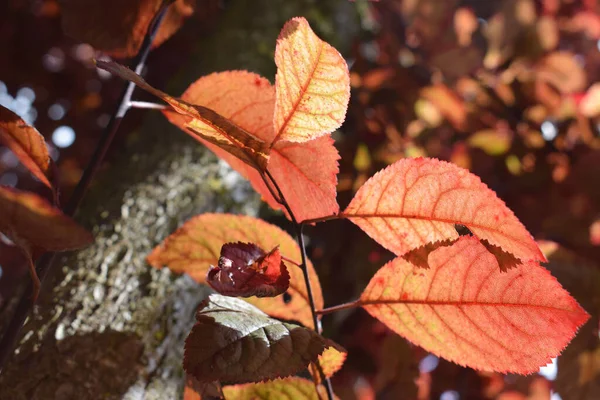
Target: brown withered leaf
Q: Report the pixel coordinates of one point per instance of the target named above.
(225, 134)
(27, 143)
(118, 27)
(245, 270)
(234, 341)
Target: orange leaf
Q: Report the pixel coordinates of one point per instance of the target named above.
(27, 144)
(193, 247)
(288, 388)
(331, 361)
(312, 82)
(416, 201)
(121, 33)
(245, 270)
(306, 173)
(204, 122)
(466, 310)
(27, 217)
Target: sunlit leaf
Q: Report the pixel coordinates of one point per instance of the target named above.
(197, 244)
(235, 342)
(493, 142)
(331, 361)
(312, 84)
(245, 270)
(306, 173)
(27, 144)
(221, 131)
(287, 388)
(463, 308)
(417, 201)
(27, 217)
(118, 27)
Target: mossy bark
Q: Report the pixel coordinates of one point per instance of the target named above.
(107, 325)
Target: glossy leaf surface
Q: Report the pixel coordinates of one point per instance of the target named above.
(416, 201)
(27, 143)
(312, 82)
(235, 342)
(463, 308)
(197, 244)
(245, 270)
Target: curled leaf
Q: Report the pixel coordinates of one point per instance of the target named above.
(245, 270)
(312, 84)
(416, 201)
(197, 244)
(463, 308)
(234, 341)
(222, 132)
(27, 143)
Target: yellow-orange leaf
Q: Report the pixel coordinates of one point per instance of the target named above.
(306, 173)
(27, 217)
(27, 144)
(288, 388)
(330, 361)
(313, 84)
(205, 122)
(463, 308)
(416, 201)
(120, 33)
(197, 244)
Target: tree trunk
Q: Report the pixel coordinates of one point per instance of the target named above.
(107, 325)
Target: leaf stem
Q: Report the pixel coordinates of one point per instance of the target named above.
(323, 219)
(299, 227)
(340, 307)
(146, 105)
(44, 264)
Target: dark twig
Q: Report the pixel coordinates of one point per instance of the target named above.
(309, 292)
(44, 264)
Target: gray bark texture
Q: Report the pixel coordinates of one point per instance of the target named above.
(107, 325)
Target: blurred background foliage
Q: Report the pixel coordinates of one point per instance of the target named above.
(506, 88)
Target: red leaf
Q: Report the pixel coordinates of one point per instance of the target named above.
(416, 201)
(245, 270)
(306, 173)
(313, 84)
(27, 144)
(463, 308)
(196, 245)
(27, 217)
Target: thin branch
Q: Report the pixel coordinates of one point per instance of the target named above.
(323, 219)
(284, 258)
(340, 307)
(44, 263)
(146, 105)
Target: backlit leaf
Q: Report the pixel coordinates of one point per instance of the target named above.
(312, 84)
(204, 122)
(235, 342)
(27, 144)
(118, 27)
(331, 361)
(306, 173)
(463, 308)
(197, 244)
(27, 217)
(288, 388)
(245, 270)
(493, 142)
(417, 201)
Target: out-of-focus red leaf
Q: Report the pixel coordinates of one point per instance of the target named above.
(449, 105)
(205, 122)
(196, 245)
(312, 84)
(466, 310)
(417, 201)
(118, 27)
(306, 173)
(245, 270)
(27, 217)
(27, 143)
